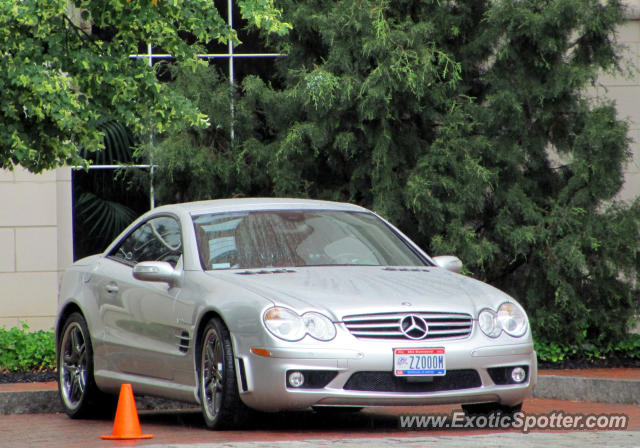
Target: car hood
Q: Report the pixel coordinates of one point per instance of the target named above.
(347, 290)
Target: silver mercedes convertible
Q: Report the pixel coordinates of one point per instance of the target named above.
(282, 304)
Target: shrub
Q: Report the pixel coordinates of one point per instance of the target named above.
(22, 350)
(553, 352)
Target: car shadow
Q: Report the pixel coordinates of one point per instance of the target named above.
(289, 421)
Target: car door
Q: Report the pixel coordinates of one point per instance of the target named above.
(141, 334)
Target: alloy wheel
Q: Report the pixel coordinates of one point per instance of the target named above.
(212, 373)
(73, 365)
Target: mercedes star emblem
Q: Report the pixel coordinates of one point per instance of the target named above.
(414, 327)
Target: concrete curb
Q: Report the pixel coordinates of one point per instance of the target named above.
(603, 390)
(47, 401)
(30, 402)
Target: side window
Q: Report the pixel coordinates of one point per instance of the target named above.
(158, 239)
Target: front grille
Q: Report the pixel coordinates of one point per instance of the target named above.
(388, 325)
(388, 382)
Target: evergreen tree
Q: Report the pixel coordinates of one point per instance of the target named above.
(469, 124)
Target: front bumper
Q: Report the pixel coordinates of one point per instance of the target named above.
(263, 386)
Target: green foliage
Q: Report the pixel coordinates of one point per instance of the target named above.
(469, 124)
(551, 351)
(21, 350)
(630, 346)
(194, 163)
(58, 76)
(554, 352)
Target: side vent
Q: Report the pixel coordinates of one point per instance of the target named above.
(184, 340)
(243, 375)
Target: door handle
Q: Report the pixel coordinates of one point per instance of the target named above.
(111, 288)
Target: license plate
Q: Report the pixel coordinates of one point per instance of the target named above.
(419, 362)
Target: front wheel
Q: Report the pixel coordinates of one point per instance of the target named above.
(76, 385)
(221, 404)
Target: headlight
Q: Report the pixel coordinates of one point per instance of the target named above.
(319, 326)
(488, 323)
(512, 319)
(509, 318)
(288, 325)
(284, 324)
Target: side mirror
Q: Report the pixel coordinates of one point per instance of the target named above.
(156, 271)
(449, 262)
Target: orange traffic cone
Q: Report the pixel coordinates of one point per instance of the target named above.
(126, 424)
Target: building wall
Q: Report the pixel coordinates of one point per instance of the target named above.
(35, 244)
(625, 91)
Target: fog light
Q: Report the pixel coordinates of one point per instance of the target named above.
(296, 379)
(518, 375)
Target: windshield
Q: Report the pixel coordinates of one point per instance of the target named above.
(295, 238)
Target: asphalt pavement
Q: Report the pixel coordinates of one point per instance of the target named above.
(583, 440)
(371, 428)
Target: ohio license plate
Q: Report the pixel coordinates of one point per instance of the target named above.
(419, 362)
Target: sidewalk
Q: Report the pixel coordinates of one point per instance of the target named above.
(595, 385)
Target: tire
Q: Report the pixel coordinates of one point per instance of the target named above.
(76, 386)
(222, 407)
(490, 409)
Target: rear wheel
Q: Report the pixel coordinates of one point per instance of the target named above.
(221, 404)
(77, 388)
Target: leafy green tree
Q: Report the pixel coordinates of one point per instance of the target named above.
(468, 123)
(60, 72)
